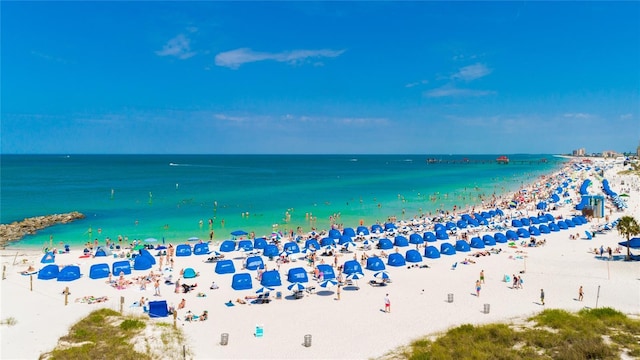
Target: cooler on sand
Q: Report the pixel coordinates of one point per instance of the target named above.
(259, 331)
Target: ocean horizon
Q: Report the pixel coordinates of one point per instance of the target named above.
(176, 197)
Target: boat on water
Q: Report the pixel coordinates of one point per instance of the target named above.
(502, 159)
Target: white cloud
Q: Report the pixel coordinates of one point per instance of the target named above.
(471, 72)
(449, 90)
(627, 116)
(235, 58)
(578, 115)
(178, 47)
(416, 83)
(229, 118)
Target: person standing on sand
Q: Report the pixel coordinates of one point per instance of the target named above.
(542, 296)
(156, 287)
(482, 276)
(387, 304)
(478, 288)
(580, 294)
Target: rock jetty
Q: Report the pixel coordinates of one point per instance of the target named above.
(18, 229)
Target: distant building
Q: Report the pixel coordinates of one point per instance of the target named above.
(609, 154)
(638, 151)
(579, 152)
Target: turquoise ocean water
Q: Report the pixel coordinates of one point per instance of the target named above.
(166, 196)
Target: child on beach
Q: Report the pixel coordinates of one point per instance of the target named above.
(478, 288)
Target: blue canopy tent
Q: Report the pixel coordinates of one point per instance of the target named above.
(442, 235)
(477, 243)
(525, 221)
(516, 223)
(523, 233)
(201, 249)
(362, 230)
(183, 250)
(344, 239)
(327, 242)
(349, 232)
(241, 281)
(385, 244)
(396, 259)
(225, 267)
(542, 219)
(254, 263)
(239, 233)
(49, 272)
(377, 228)
(327, 271)
(544, 229)
(462, 246)
(534, 231)
(291, 247)
(401, 241)
(390, 226)
(271, 278)
(312, 244)
(245, 245)
(511, 235)
(534, 220)
(562, 225)
(69, 273)
(375, 264)
(569, 223)
(633, 243)
(142, 263)
(500, 237)
(99, 271)
(431, 252)
(297, 274)
(413, 256)
(334, 234)
(102, 252)
(554, 227)
(270, 250)
(447, 249)
(542, 205)
(416, 239)
(189, 273)
(228, 246)
(488, 240)
(439, 227)
(449, 225)
(351, 266)
(123, 267)
(48, 258)
(259, 243)
(429, 236)
(461, 224)
(549, 217)
(158, 309)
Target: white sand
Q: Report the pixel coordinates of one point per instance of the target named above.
(353, 327)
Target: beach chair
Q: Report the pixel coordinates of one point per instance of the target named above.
(589, 236)
(454, 266)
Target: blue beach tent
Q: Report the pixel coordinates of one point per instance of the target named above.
(259, 243)
(351, 266)
(442, 235)
(327, 271)
(271, 278)
(241, 281)
(334, 234)
(69, 273)
(429, 236)
(158, 309)
(377, 228)
(544, 229)
(534, 220)
(102, 252)
(401, 241)
(291, 247)
(344, 239)
(396, 259)
(270, 251)
(525, 221)
(511, 235)
(385, 244)
(413, 256)
(534, 231)
(416, 239)
(488, 240)
(554, 227)
(562, 225)
(254, 263)
(48, 272)
(201, 249)
(447, 249)
(362, 230)
(183, 250)
(327, 241)
(523, 233)
(246, 245)
(225, 267)
(99, 271)
(123, 267)
(375, 264)
(516, 223)
(227, 246)
(569, 223)
(477, 243)
(142, 263)
(349, 232)
(431, 252)
(312, 244)
(189, 273)
(462, 246)
(297, 274)
(500, 237)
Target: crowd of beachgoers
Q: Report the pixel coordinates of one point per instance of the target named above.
(551, 263)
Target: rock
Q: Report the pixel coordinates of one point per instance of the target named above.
(18, 229)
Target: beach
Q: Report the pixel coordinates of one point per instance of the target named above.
(356, 326)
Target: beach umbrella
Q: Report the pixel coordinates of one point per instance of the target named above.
(194, 238)
(328, 283)
(349, 245)
(382, 274)
(355, 276)
(239, 233)
(264, 289)
(296, 286)
(149, 240)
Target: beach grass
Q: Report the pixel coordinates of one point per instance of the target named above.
(105, 334)
(552, 334)
(10, 321)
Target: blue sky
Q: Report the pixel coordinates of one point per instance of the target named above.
(319, 77)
